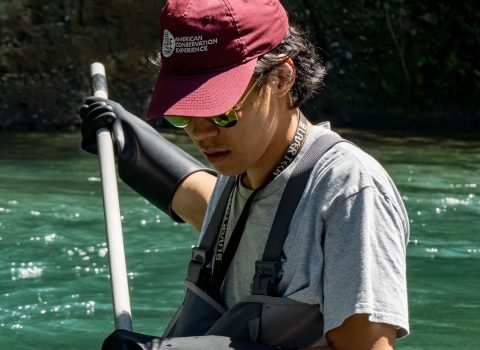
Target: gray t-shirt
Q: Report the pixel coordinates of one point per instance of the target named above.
(361, 267)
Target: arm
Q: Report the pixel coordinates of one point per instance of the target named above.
(191, 198)
(153, 167)
(358, 333)
(364, 277)
(364, 268)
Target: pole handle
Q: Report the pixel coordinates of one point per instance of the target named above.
(98, 80)
(111, 208)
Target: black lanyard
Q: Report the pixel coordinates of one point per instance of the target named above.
(224, 255)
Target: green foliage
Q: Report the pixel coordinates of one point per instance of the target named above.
(447, 66)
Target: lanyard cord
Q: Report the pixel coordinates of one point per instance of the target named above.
(224, 255)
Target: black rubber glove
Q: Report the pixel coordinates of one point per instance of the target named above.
(125, 340)
(149, 164)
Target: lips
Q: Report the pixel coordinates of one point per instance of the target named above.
(215, 157)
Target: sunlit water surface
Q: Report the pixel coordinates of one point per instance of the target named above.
(54, 285)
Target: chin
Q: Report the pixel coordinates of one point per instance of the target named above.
(227, 171)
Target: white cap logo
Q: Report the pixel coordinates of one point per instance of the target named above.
(168, 46)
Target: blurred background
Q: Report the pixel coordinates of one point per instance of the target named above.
(403, 84)
(410, 65)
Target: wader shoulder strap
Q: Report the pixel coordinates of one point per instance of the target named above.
(211, 233)
(267, 270)
(202, 255)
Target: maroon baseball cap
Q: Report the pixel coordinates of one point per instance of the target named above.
(209, 49)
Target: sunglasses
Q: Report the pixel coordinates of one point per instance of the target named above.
(225, 120)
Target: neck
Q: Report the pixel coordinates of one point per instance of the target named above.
(255, 177)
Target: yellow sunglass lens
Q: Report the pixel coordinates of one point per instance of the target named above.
(179, 122)
(226, 120)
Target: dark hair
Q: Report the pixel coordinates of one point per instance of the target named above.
(309, 70)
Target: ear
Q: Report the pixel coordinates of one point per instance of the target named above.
(286, 74)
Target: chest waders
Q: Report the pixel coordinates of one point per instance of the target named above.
(262, 317)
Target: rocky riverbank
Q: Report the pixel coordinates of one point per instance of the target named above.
(390, 64)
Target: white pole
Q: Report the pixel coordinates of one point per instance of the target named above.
(111, 207)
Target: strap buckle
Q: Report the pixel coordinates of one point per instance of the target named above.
(266, 277)
(199, 269)
(202, 256)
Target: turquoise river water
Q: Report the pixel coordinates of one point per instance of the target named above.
(54, 286)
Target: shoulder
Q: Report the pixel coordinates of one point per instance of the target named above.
(345, 171)
(348, 168)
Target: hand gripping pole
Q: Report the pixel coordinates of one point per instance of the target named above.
(111, 207)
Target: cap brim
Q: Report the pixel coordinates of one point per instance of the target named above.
(199, 95)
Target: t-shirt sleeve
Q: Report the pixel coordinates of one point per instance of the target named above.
(364, 262)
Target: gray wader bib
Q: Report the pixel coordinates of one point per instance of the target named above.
(261, 319)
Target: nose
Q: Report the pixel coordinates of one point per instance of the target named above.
(201, 129)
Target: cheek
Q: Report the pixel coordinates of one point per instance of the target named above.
(249, 148)
(255, 130)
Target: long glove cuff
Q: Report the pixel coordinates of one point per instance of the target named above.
(153, 166)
